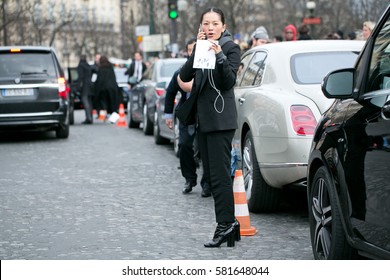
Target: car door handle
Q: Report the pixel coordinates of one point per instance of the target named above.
(241, 100)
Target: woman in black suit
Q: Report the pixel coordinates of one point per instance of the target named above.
(217, 119)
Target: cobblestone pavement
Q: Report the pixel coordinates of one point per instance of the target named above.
(110, 192)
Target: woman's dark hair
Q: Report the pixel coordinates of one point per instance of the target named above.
(189, 42)
(104, 62)
(215, 10)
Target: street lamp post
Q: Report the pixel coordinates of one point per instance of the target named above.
(311, 5)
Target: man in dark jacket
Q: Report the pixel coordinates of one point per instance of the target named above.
(136, 69)
(186, 133)
(85, 87)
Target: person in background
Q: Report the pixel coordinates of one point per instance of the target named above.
(216, 119)
(107, 87)
(277, 39)
(352, 35)
(303, 31)
(368, 26)
(85, 87)
(95, 69)
(259, 36)
(186, 133)
(290, 33)
(136, 69)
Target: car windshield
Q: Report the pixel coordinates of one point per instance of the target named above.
(167, 70)
(26, 64)
(311, 68)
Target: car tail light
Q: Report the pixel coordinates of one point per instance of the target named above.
(303, 120)
(62, 88)
(160, 91)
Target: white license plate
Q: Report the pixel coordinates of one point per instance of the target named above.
(17, 92)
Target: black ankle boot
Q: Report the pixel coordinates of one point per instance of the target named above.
(237, 234)
(225, 232)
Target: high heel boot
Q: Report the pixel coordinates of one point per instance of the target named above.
(225, 232)
(237, 234)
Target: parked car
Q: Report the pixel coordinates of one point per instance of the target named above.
(34, 93)
(142, 102)
(279, 100)
(163, 134)
(348, 178)
(123, 86)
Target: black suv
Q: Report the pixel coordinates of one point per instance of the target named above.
(348, 173)
(34, 92)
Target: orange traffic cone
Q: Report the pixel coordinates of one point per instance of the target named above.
(122, 118)
(94, 113)
(102, 115)
(241, 210)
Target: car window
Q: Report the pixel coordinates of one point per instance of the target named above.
(240, 73)
(120, 75)
(311, 68)
(18, 64)
(253, 74)
(168, 69)
(379, 75)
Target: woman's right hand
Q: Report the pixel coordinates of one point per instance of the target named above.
(201, 35)
(169, 123)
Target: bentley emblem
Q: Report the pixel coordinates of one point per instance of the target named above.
(17, 81)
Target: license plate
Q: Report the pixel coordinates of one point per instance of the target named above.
(17, 92)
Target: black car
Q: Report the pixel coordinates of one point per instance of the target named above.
(348, 173)
(34, 92)
(143, 96)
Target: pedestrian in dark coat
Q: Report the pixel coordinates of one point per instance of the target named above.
(107, 87)
(217, 119)
(85, 87)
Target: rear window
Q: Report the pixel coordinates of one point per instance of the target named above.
(26, 64)
(311, 68)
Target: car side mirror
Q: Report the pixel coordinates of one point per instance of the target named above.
(339, 84)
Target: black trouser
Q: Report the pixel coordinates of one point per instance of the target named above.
(87, 104)
(215, 152)
(186, 152)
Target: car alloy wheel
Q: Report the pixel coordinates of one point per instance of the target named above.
(130, 122)
(327, 234)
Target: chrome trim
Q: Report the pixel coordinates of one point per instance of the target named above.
(26, 114)
(28, 86)
(282, 165)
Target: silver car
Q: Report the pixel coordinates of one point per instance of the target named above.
(279, 101)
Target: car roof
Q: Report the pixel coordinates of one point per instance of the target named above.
(27, 48)
(293, 47)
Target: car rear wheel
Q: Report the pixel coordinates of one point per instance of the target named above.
(148, 125)
(130, 122)
(158, 139)
(62, 131)
(327, 236)
(260, 196)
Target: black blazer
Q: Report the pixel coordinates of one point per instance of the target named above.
(172, 89)
(224, 76)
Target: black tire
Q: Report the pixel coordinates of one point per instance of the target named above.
(62, 131)
(176, 137)
(327, 235)
(148, 125)
(261, 197)
(158, 139)
(130, 122)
